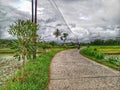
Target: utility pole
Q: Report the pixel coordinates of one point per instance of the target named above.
(35, 36)
(36, 11)
(32, 10)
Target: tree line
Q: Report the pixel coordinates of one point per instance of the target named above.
(105, 42)
(8, 42)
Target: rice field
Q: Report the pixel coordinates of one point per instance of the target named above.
(109, 50)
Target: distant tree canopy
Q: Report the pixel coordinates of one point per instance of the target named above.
(105, 42)
(8, 43)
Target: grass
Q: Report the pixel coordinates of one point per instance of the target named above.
(104, 62)
(107, 49)
(114, 60)
(36, 73)
(94, 53)
(6, 51)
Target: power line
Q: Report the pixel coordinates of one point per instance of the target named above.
(53, 3)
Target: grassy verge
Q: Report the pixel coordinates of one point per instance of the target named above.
(6, 51)
(107, 49)
(104, 62)
(36, 73)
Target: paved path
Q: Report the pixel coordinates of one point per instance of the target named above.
(72, 71)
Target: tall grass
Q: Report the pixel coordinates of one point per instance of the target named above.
(114, 60)
(111, 61)
(107, 49)
(36, 74)
(94, 53)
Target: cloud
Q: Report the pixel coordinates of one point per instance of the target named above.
(20, 9)
(90, 12)
(88, 19)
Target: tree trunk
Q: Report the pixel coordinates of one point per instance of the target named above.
(57, 39)
(22, 69)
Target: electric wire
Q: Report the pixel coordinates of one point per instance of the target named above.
(53, 3)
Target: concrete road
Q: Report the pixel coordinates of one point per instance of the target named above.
(71, 71)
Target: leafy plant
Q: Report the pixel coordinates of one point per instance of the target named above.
(23, 31)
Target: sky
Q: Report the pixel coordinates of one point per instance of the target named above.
(87, 19)
(91, 12)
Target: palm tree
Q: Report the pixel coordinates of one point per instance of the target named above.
(64, 37)
(57, 33)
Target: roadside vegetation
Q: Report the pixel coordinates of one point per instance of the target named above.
(36, 72)
(35, 75)
(107, 49)
(95, 53)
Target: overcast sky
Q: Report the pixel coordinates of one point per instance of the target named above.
(88, 19)
(91, 12)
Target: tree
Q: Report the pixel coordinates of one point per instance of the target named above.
(57, 33)
(23, 31)
(0, 32)
(64, 37)
(98, 42)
